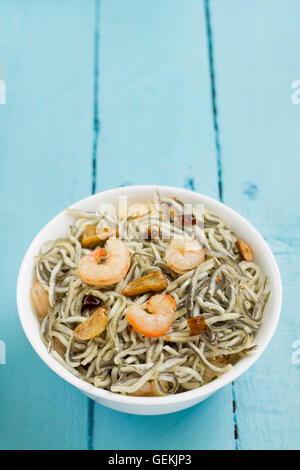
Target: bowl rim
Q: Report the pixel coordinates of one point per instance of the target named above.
(190, 395)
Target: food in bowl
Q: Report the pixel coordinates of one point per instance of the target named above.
(156, 300)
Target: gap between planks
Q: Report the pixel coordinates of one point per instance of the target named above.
(214, 96)
(209, 34)
(96, 121)
(96, 130)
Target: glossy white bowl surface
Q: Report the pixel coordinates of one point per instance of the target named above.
(57, 227)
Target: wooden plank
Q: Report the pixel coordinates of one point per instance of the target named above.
(157, 128)
(255, 65)
(154, 96)
(205, 426)
(46, 154)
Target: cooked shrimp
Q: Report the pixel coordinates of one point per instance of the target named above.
(114, 268)
(158, 321)
(184, 254)
(40, 299)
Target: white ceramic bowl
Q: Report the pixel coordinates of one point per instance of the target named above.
(150, 405)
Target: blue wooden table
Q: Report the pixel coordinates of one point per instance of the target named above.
(192, 93)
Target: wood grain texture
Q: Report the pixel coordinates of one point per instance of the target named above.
(156, 127)
(154, 96)
(256, 60)
(146, 62)
(207, 426)
(45, 164)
